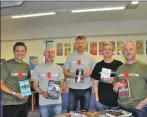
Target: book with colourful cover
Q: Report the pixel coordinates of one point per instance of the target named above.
(118, 113)
(53, 89)
(25, 87)
(124, 88)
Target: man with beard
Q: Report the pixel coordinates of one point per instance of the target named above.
(104, 72)
(130, 83)
(78, 67)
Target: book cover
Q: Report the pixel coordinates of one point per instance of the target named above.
(105, 73)
(25, 87)
(118, 113)
(53, 89)
(124, 90)
(79, 76)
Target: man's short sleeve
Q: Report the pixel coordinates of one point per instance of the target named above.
(95, 73)
(4, 72)
(67, 64)
(35, 75)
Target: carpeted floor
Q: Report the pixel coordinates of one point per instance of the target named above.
(34, 114)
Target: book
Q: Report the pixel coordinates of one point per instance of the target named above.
(53, 89)
(118, 113)
(79, 76)
(124, 89)
(25, 87)
(105, 73)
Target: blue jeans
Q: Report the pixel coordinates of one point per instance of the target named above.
(135, 112)
(101, 107)
(50, 110)
(76, 95)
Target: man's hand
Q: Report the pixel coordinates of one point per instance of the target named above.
(72, 74)
(87, 73)
(45, 94)
(20, 96)
(116, 86)
(108, 80)
(60, 91)
(140, 106)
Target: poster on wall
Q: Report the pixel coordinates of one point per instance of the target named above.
(74, 47)
(59, 47)
(113, 43)
(146, 46)
(2, 60)
(120, 47)
(67, 48)
(140, 47)
(49, 43)
(93, 48)
(101, 47)
(33, 61)
(86, 49)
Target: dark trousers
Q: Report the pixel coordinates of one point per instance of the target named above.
(76, 95)
(135, 112)
(20, 110)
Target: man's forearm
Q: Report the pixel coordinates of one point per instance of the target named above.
(6, 89)
(38, 90)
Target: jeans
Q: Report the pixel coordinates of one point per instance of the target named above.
(76, 95)
(50, 110)
(135, 112)
(20, 110)
(101, 107)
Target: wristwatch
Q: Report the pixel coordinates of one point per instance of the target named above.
(13, 93)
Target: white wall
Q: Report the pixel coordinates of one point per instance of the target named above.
(36, 47)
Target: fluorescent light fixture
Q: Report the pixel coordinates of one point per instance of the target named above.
(135, 2)
(33, 15)
(98, 9)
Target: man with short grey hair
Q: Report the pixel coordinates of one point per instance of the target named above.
(48, 82)
(130, 83)
(78, 68)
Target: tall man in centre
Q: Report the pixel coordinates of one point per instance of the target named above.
(78, 67)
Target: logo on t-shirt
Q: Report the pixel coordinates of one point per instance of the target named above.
(48, 74)
(126, 74)
(78, 62)
(20, 74)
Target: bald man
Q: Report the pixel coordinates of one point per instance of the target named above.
(44, 75)
(130, 83)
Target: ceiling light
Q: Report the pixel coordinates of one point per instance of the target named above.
(98, 9)
(135, 2)
(33, 15)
